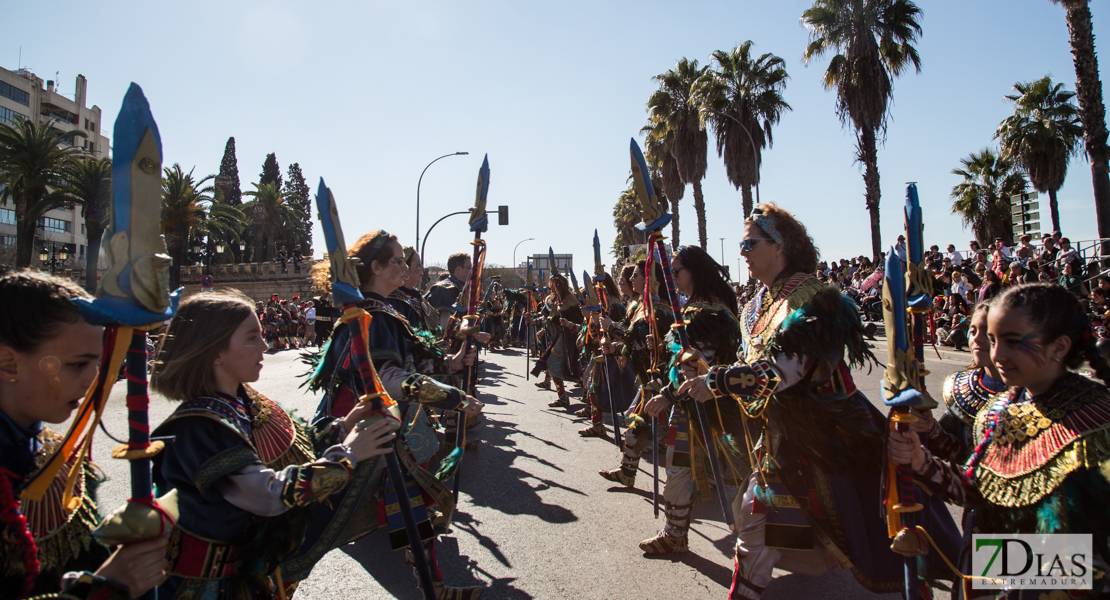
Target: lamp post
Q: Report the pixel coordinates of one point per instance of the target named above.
(755, 157)
(424, 279)
(514, 251)
(53, 257)
(722, 251)
(205, 255)
(242, 251)
(418, 182)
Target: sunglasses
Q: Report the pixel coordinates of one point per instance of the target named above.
(747, 244)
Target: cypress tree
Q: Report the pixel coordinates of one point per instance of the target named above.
(297, 190)
(271, 172)
(228, 179)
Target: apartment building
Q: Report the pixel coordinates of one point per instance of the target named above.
(24, 95)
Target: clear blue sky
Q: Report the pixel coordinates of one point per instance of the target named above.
(366, 93)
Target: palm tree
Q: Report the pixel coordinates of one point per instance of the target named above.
(676, 125)
(226, 224)
(626, 213)
(742, 98)
(1042, 135)
(983, 197)
(1088, 88)
(184, 201)
(271, 211)
(664, 168)
(873, 41)
(87, 181)
(31, 161)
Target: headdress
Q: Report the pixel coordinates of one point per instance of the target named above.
(767, 224)
(407, 253)
(376, 244)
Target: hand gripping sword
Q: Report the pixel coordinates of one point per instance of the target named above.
(479, 223)
(654, 219)
(346, 295)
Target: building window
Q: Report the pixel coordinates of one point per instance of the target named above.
(7, 216)
(14, 93)
(54, 225)
(10, 117)
(7, 240)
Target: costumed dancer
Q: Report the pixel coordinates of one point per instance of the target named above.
(399, 356)
(48, 359)
(247, 475)
(812, 501)
(635, 345)
(420, 313)
(562, 312)
(608, 377)
(713, 330)
(445, 293)
(1042, 446)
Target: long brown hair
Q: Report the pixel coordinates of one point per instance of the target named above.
(34, 305)
(371, 247)
(198, 333)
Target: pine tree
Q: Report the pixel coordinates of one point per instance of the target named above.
(297, 190)
(227, 182)
(271, 172)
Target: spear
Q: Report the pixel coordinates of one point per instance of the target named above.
(479, 222)
(346, 295)
(654, 219)
(528, 326)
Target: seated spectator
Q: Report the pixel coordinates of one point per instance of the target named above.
(954, 256)
(1048, 250)
(991, 287)
(959, 286)
(1067, 253)
(1071, 281)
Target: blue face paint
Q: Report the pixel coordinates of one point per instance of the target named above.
(1032, 347)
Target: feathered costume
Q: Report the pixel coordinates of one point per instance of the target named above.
(1041, 465)
(812, 502)
(223, 447)
(42, 540)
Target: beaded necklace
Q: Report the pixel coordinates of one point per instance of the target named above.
(993, 417)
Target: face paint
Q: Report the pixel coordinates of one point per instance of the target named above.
(1032, 347)
(50, 366)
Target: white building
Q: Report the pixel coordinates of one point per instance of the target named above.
(23, 95)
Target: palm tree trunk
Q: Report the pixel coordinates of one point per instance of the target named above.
(746, 200)
(868, 154)
(1054, 210)
(674, 224)
(24, 233)
(257, 217)
(92, 256)
(699, 208)
(1088, 88)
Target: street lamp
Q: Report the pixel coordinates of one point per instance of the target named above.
(205, 255)
(54, 257)
(722, 251)
(418, 182)
(514, 251)
(242, 251)
(755, 157)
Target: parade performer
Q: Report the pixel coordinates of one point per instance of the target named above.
(561, 314)
(48, 359)
(494, 321)
(247, 477)
(420, 313)
(399, 357)
(811, 502)
(635, 344)
(325, 315)
(712, 328)
(1041, 457)
(445, 293)
(610, 385)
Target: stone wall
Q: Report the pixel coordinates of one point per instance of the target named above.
(257, 280)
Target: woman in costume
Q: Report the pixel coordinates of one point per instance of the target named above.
(965, 394)
(712, 328)
(48, 359)
(1042, 450)
(816, 442)
(248, 477)
(420, 313)
(409, 367)
(563, 317)
(608, 375)
(633, 343)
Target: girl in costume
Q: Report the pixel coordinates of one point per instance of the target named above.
(711, 325)
(48, 359)
(247, 475)
(401, 358)
(420, 313)
(816, 442)
(633, 344)
(564, 316)
(1041, 457)
(609, 377)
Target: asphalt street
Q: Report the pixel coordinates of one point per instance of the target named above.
(534, 520)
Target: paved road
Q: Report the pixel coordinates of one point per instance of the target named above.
(535, 520)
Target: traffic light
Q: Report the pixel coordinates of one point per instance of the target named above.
(502, 215)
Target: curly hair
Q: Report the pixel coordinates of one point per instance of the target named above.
(801, 253)
(371, 247)
(1056, 312)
